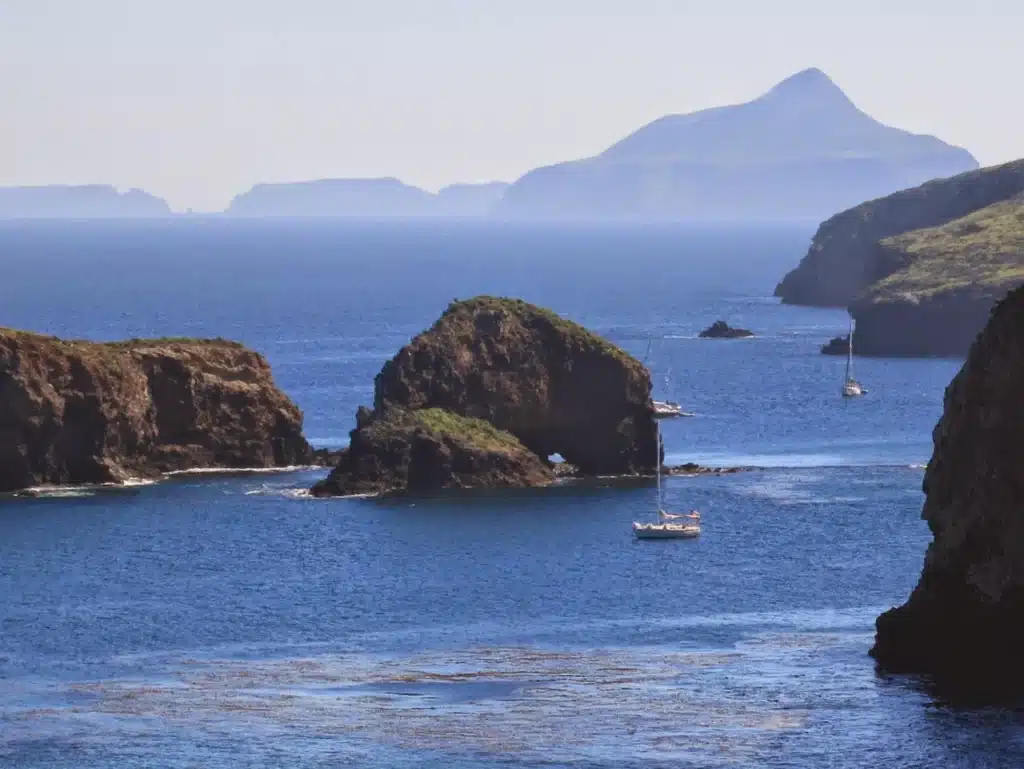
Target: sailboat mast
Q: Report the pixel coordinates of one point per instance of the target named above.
(849, 351)
(657, 460)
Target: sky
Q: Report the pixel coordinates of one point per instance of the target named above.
(197, 100)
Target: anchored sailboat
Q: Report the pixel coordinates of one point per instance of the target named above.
(668, 526)
(666, 409)
(851, 387)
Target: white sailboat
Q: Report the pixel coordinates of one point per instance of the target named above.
(669, 525)
(669, 409)
(851, 387)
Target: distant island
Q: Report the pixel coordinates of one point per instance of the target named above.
(88, 201)
(920, 269)
(365, 198)
(802, 150)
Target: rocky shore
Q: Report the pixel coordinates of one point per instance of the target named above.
(76, 412)
(962, 623)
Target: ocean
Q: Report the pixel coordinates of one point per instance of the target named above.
(224, 620)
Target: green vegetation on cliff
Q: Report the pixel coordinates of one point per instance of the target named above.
(467, 431)
(983, 251)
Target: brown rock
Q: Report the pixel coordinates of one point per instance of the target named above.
(964, 622)
(80, 412)
(554, 385)
(428, 450)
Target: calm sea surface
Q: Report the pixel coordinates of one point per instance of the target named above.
(225, 621)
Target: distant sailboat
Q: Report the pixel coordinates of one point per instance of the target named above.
(667, 409)
(667, 528)
(851, 387)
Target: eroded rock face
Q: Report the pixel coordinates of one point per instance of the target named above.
(79, 412)
(428, 450)
(964, 622)
(554, 385)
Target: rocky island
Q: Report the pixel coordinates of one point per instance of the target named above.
(722, 330)
(488, 394)
(81, 412)
(802, 149)
(962, 624)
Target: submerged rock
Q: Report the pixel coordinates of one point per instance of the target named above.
(81, 412)
(963, 622)
(431, 449)
(722, 330)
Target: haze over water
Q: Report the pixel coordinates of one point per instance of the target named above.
(226, 622)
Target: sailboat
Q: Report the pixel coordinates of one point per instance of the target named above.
(667, 409)
(669, 525)
(851, 387)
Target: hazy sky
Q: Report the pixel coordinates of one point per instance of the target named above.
(196, 100)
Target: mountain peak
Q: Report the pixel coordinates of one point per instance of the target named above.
(808, 84)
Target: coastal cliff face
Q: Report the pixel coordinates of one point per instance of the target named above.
(842, 261)
(554, 385)
(941, 283)
(81, 412)
(963, 622)
(486, 396)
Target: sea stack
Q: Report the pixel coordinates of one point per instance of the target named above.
(81, 412)
(488, 393)
(963, 622)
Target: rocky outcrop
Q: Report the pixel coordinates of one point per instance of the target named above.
(80, 412)
(525, 373)
(428, 450)
(842, 261)
(963, 622)
(722, 330)
(557, 387)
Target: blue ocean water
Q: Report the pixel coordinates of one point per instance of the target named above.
(225, 621)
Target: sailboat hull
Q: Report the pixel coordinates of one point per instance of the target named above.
(666, 530)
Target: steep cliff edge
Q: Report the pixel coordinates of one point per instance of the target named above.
(941, 283)
(543, 383)
(841, 262)
(81, 412)
(963, 622)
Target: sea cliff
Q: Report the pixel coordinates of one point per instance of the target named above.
(843, 261)
(962, 624)
(83, 412)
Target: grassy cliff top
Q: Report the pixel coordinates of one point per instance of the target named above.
(461, 313)
(475, 433)
(982, 250)
(127, 344)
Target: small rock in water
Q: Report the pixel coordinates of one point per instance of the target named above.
(722, 330)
